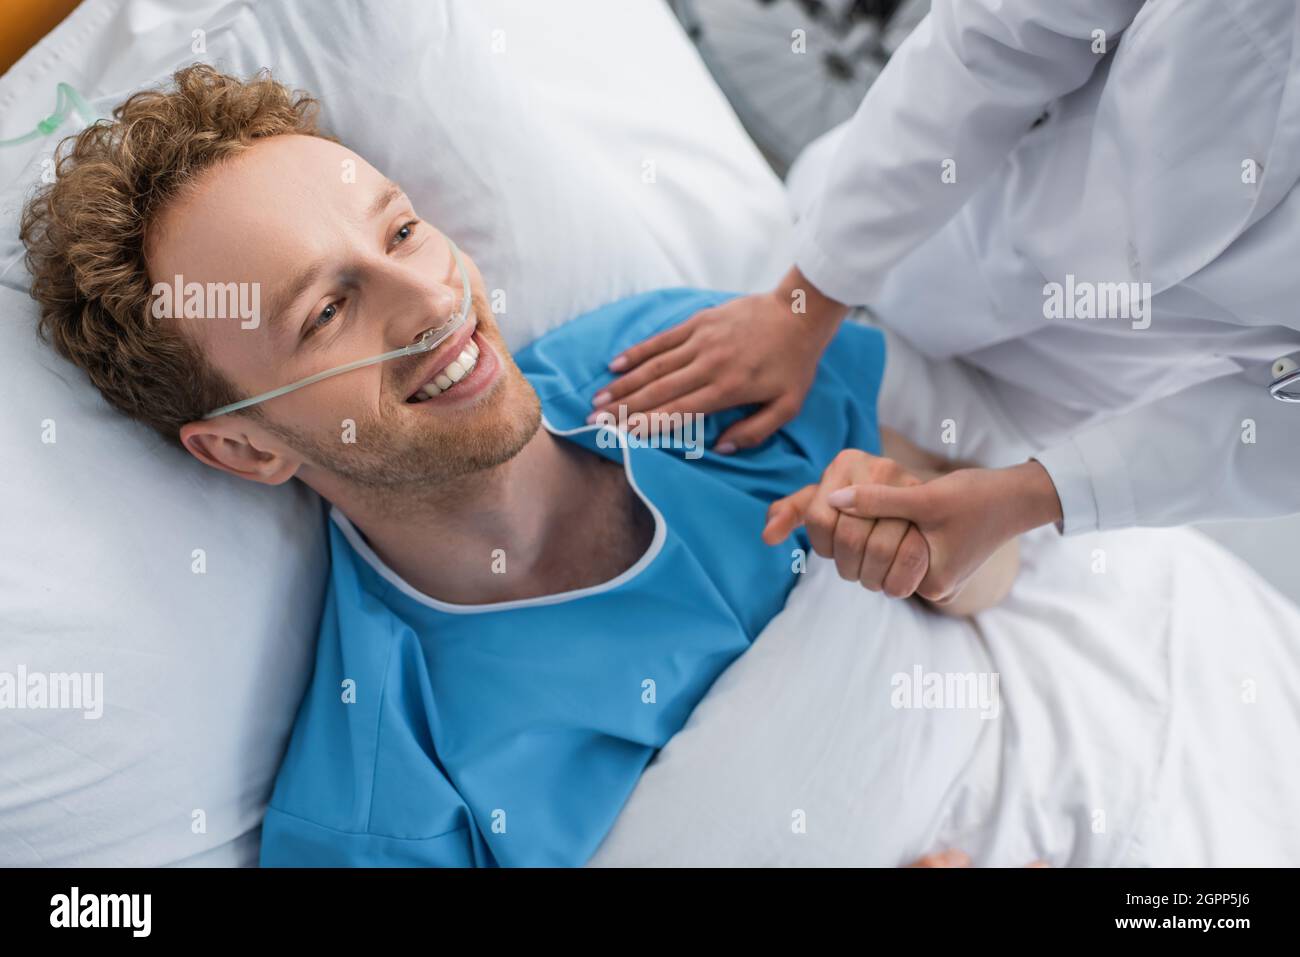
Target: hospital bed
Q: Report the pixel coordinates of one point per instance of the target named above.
(197, 597)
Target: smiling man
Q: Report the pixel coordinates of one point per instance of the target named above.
(520, 613)
(351, 272)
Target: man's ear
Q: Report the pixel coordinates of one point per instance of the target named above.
(229, 445)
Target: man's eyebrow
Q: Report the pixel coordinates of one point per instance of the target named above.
(281, 303)
(390, 192)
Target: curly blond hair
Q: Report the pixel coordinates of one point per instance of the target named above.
(85, 235)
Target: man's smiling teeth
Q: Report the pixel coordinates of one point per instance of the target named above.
(452, 373)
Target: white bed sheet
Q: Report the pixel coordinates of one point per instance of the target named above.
(1149, 715)
(1149, 682)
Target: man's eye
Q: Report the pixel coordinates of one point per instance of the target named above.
(325, 316)
(405, 232)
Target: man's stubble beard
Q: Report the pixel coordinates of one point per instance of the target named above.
(398, 464)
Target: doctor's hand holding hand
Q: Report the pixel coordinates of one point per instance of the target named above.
(966, 517)
(884, 554)
(761, 349)
(951, 538)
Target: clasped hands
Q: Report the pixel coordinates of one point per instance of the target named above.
(893, 531)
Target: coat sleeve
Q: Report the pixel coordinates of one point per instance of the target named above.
(955, 99)
(1219, 450)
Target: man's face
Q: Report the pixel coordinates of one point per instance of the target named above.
(344, 270)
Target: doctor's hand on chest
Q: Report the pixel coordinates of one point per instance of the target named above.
(761, 349)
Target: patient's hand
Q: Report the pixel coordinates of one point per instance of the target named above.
(884, 554)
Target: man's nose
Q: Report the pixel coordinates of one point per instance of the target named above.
(416, 303)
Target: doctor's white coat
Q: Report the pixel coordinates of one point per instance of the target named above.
(1018, 157)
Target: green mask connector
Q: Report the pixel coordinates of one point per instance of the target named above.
(68, 100)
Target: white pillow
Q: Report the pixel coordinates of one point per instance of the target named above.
(577, 149)
(194, 597)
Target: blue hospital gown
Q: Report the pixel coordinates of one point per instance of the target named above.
(512, 734)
